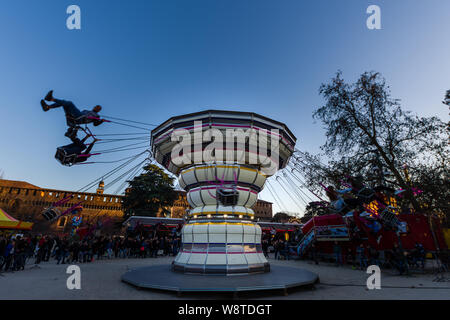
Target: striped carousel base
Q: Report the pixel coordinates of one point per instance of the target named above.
(221, 246)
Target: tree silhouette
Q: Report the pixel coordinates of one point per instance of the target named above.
(149, 193)
(367, 129)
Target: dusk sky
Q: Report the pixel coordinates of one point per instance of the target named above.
(151, 60)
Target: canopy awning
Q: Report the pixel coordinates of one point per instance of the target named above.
(8, 222)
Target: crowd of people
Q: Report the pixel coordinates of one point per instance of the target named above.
(359, 257)
(280, 247)
(15, 251)
(364, 255)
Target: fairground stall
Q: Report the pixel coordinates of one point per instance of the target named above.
(9, 225)
(350, 231)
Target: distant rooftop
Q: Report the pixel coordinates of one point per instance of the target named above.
(17, 184)
(260, 200)
(23, 184)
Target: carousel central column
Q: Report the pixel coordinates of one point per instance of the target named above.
(221, 235)
(222, 179)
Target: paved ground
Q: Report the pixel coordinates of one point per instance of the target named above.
(101, 280)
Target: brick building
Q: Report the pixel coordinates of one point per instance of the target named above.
(263, 210)
(27, 202)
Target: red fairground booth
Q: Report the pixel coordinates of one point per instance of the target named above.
(351, 231)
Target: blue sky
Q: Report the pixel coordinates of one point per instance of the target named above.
(150, 60)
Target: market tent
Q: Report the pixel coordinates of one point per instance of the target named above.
(8, 222)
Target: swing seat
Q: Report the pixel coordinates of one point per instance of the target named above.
(344, 209)
(51, 213)
(75, 122)
(389, 218)
(366, 194)
(64, 158)
(227, 197)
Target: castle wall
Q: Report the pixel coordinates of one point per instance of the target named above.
(27, 202)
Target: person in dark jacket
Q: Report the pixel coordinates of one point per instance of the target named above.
(155, 247)
(19, 254)
(83, 252)
(337, 250)
(75, 249)
(314, 253)
(74, 116)
(41, 251)
(61, 250)
(362, 256)
(418, 256)
(8, 255)
(374, 256)
(285, 250)
(399, 259)
(3, 243)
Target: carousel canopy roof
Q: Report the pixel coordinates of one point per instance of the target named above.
(163, 145)
(228, 113)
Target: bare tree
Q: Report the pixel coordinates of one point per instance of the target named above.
(367, 128)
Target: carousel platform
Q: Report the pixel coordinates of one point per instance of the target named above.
(161, 277)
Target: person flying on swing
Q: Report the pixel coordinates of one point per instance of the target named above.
(75, 152)
(74, 116)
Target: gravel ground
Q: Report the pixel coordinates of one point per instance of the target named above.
(101, 280)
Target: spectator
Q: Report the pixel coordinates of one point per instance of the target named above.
(61, 252)
(109, 248)
(75, 249)
(418, 256)
(399, 259)
(278, 246)
(374, 256)
(314, 253)
(155, 247)
(176, 245)
(116, 247)
(362, 257)
(3, 243)
(19, 254)
(142, 250)
(8, 255)
(265, 247)
(337, 250)
(41, 250)
(284, 249)
(351, 257)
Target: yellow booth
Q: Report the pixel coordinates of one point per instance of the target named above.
(8, 222)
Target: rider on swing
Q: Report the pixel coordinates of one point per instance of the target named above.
(74, 116)
(75, 152)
